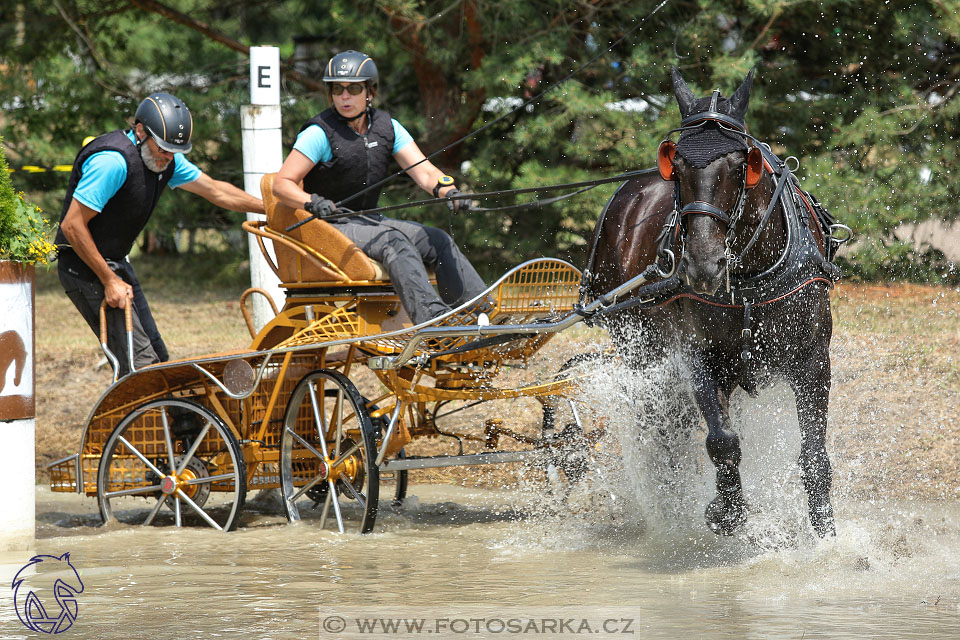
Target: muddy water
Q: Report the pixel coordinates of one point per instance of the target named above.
(625, 547)
(454, 552)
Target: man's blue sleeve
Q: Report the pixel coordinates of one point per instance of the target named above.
(101, 176)
(184, 171)
(401, 137)
(312, 142)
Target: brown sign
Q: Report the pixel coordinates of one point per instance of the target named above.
(16, 341)
(13, 354)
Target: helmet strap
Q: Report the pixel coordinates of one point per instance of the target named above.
(352, 118)
(139, 140)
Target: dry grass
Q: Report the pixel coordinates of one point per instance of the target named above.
(895, 408)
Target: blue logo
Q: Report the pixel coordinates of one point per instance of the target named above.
(47, 574)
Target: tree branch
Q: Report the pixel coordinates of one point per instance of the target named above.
(181, 18)
(100, 62)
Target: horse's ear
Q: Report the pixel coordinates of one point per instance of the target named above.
(685, 97)
(754, 167)
(741, 98)
(665, 159)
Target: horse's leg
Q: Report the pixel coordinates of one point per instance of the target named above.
(727, 511)
(811, 387)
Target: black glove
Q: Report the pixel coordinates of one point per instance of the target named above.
(457, 205)
(320, 206)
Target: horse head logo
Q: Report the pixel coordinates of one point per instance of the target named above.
(13, 352)
(49, 574)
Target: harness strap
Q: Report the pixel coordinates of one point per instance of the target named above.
(699, 207)
(777, 193)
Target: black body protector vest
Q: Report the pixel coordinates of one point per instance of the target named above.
(116, 228)
(358, 160)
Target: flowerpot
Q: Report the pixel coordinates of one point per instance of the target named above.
(17, 406)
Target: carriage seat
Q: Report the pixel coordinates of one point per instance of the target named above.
(313, 252)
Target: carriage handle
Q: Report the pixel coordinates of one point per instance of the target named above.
(128, 322)
(246, 313)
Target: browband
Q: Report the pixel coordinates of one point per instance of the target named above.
(704, 116)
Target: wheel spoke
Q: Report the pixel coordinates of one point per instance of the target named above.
(359, 497)
(336, 505)
(306, 488)
(201, 512)
(166, 438)
(143, 458)
(193, 448)
(307, 444)
(136, 491)
(318, 419)
(339, 409)
(206, 479)
(153, 512)
(326, 509)
(346, 454)
(176, 511)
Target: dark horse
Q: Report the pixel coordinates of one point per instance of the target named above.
(743, 273)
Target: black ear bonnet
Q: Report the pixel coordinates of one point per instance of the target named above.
(712, 139)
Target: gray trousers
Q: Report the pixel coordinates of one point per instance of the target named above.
(148, 346)
(404, 248)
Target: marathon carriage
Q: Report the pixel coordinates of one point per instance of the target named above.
(184, 441)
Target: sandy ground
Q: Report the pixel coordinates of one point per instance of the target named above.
(895, 406)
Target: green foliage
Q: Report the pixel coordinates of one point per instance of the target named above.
(23, 231)
(863, 94)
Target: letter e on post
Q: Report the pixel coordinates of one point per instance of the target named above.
(264, 75)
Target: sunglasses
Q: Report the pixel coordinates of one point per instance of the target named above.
(354, 89)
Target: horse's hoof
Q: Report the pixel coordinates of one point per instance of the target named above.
(821, 517)
(726, 514)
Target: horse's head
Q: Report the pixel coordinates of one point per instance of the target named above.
(713, 169)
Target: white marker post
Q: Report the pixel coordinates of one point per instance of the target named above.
(17, 407)
(262, 154)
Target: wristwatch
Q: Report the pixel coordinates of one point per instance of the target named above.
(443, 181)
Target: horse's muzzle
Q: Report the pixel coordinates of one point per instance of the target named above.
(704, 277)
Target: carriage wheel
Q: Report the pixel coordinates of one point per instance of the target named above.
(328, 440)
(571, 430)
(178, 457)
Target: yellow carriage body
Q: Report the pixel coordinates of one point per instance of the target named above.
(340, 312)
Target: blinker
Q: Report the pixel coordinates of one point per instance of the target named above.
(665, 154)
(754, 168)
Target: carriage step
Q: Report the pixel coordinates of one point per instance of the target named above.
(430, 462)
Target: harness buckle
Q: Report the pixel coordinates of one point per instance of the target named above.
(673, 265)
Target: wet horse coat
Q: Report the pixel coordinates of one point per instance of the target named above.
(746, 301)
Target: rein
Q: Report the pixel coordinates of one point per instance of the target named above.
(583, 186)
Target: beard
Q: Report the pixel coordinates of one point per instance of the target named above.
(154, 162)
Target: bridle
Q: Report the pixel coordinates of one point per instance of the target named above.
(673, 230)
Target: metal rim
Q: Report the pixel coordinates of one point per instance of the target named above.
(165, 476)
(328, 432)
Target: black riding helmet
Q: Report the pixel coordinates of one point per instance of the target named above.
(168, 120)
(352, 66)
